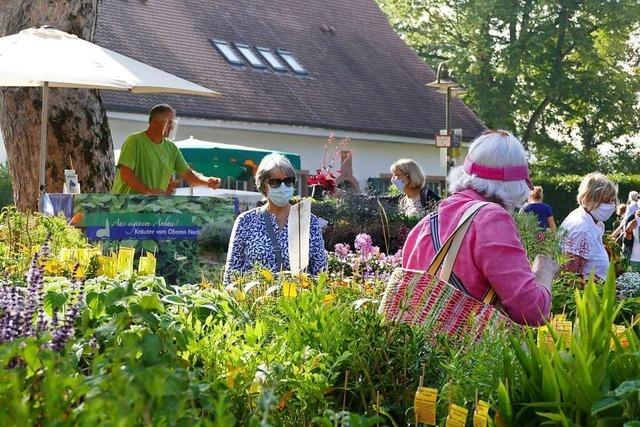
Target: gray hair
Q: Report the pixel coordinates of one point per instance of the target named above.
(411, 169)
(633, 196)
(270, 164)
(495, 149)
(160, 109)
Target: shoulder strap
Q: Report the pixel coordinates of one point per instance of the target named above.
(274, 240)
(457, 236)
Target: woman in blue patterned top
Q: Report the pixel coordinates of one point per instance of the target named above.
(256, 241)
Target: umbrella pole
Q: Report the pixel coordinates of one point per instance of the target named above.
(43, 134)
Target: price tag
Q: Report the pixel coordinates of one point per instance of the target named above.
(457, 416)
(481, 414)
(424, 405)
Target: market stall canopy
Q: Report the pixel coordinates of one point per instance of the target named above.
(227, 160)
(51, 58)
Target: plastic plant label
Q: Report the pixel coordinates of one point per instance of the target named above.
(289, 290)
(125, 260)
(563, 328)
(425, 405)
(457, 416)
(545, 339)
(620, 330)
(481, 414)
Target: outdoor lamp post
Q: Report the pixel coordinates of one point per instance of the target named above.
(444, 84)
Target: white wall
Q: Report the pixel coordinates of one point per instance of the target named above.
(372, 155)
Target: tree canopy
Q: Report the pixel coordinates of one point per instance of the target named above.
(552, 71)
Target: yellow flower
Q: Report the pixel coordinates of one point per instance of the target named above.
(267, 275)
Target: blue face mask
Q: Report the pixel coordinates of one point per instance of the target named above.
(280, 196)
(399, 183)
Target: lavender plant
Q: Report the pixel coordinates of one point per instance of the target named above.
(22, 312)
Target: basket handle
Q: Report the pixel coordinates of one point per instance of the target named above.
(447, 254)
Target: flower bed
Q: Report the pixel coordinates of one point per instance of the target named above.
(278, 350)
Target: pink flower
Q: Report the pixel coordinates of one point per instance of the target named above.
(342, 249)
(364, 244)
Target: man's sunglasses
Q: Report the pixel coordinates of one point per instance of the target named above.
(276, 182)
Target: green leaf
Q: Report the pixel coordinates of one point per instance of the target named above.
(152, 303)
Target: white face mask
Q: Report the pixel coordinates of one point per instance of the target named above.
(280, 196)
(603, 212)
(399, 183)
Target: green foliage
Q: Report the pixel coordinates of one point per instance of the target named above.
(552, 71)
(564, 386)
(537, 241)
(21, 234)
(353, 214)
(6, 186)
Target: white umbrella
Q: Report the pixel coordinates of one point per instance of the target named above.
(51, 58)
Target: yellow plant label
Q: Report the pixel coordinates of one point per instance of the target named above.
(125, 260)
(545, 340)
(289, 290)
(620, 330)
(481, 414)
(425, 405)
(328, 299)
(563, 328)
(457, 416)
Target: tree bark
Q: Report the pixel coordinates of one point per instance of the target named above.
(78, 130)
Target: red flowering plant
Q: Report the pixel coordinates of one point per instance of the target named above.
(325, 177)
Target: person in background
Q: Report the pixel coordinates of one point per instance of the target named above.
(148, 159)
(584, 226)
(632, 235)
(416, 199)
(619, 224)
(542, 210)
(491, 255)
(260, 236)
(632, 204)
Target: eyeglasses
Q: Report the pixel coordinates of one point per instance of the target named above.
(276, 182)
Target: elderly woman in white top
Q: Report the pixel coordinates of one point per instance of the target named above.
(584, 227)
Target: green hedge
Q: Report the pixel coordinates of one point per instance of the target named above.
(560, 192)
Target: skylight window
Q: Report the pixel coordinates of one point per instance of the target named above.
(291, 62)
(271, 58)
(249, 55)
(227, 51)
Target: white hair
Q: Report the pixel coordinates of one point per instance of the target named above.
(633, 196)
(495, 149)
(270, 164)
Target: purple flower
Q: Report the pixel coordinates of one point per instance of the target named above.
(363, 243)
(342, 249)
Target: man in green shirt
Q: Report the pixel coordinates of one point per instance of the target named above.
(148, 159)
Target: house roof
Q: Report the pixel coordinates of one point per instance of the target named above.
(362, 76)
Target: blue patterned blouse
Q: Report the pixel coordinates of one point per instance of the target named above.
(250, 244)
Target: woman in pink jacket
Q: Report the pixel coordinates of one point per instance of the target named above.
(491, 255)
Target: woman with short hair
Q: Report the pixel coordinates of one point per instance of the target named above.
(416, 199)
(542, 210)
(260, 236)
(491, 255)
(584, 226)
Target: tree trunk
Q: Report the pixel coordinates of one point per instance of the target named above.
(78, 130)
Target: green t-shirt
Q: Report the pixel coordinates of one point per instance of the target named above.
(152, 163)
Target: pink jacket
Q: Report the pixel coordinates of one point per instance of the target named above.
(491, 255)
